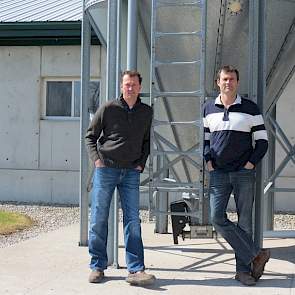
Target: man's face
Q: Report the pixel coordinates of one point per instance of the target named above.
(130, 87)
(228, 83)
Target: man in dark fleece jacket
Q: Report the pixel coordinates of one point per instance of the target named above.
(231, 125)
(118, 142)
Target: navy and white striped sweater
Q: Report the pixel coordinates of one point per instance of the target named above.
(235, 135)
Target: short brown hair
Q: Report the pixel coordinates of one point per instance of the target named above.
(228, 69)
(132, 74)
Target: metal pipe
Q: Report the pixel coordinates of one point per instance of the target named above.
(111, 94)
(118, 70)
(253, 50)
(285, 143)
(258, 83)
(162, 200)
(269, 201)
(118, 54)
(152, 100)
(132, 31)
(84, 121)
(203, 202)
(280, 168)
(274, 130)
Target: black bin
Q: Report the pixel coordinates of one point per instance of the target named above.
(178, 222)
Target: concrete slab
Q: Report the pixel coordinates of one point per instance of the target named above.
(54, 264)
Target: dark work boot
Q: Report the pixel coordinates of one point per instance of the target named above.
(140, 278)
(259, 262)
(245, 278)
(96, 276)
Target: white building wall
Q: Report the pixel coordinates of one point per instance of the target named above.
(39, 158)
(19, 112)
(59, 145)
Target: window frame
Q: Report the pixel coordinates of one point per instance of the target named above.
(62, 79)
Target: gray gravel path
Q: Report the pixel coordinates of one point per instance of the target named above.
(48, 218)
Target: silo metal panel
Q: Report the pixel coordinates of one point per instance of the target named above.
(280, 46)
(280, 16)
(234, 37)
(234, 40)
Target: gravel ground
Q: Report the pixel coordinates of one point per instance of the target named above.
(52, 217)
(46, 218)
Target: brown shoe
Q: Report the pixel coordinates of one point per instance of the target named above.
(140, 278)
(259, 263)
(245, 278)
(96, 276)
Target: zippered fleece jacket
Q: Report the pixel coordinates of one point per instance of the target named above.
(120, 136)
(235, 135)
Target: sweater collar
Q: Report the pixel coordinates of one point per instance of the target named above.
(238, 100)
(126, 106)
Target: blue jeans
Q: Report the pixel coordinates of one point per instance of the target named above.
(104, 183)
(239, 236)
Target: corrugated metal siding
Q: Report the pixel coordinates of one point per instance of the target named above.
(40, 10)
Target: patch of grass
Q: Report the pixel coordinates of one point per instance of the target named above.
(11, 222)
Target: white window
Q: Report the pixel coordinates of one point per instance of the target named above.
(62, 97)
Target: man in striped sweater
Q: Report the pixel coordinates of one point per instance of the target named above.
(235, 141)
